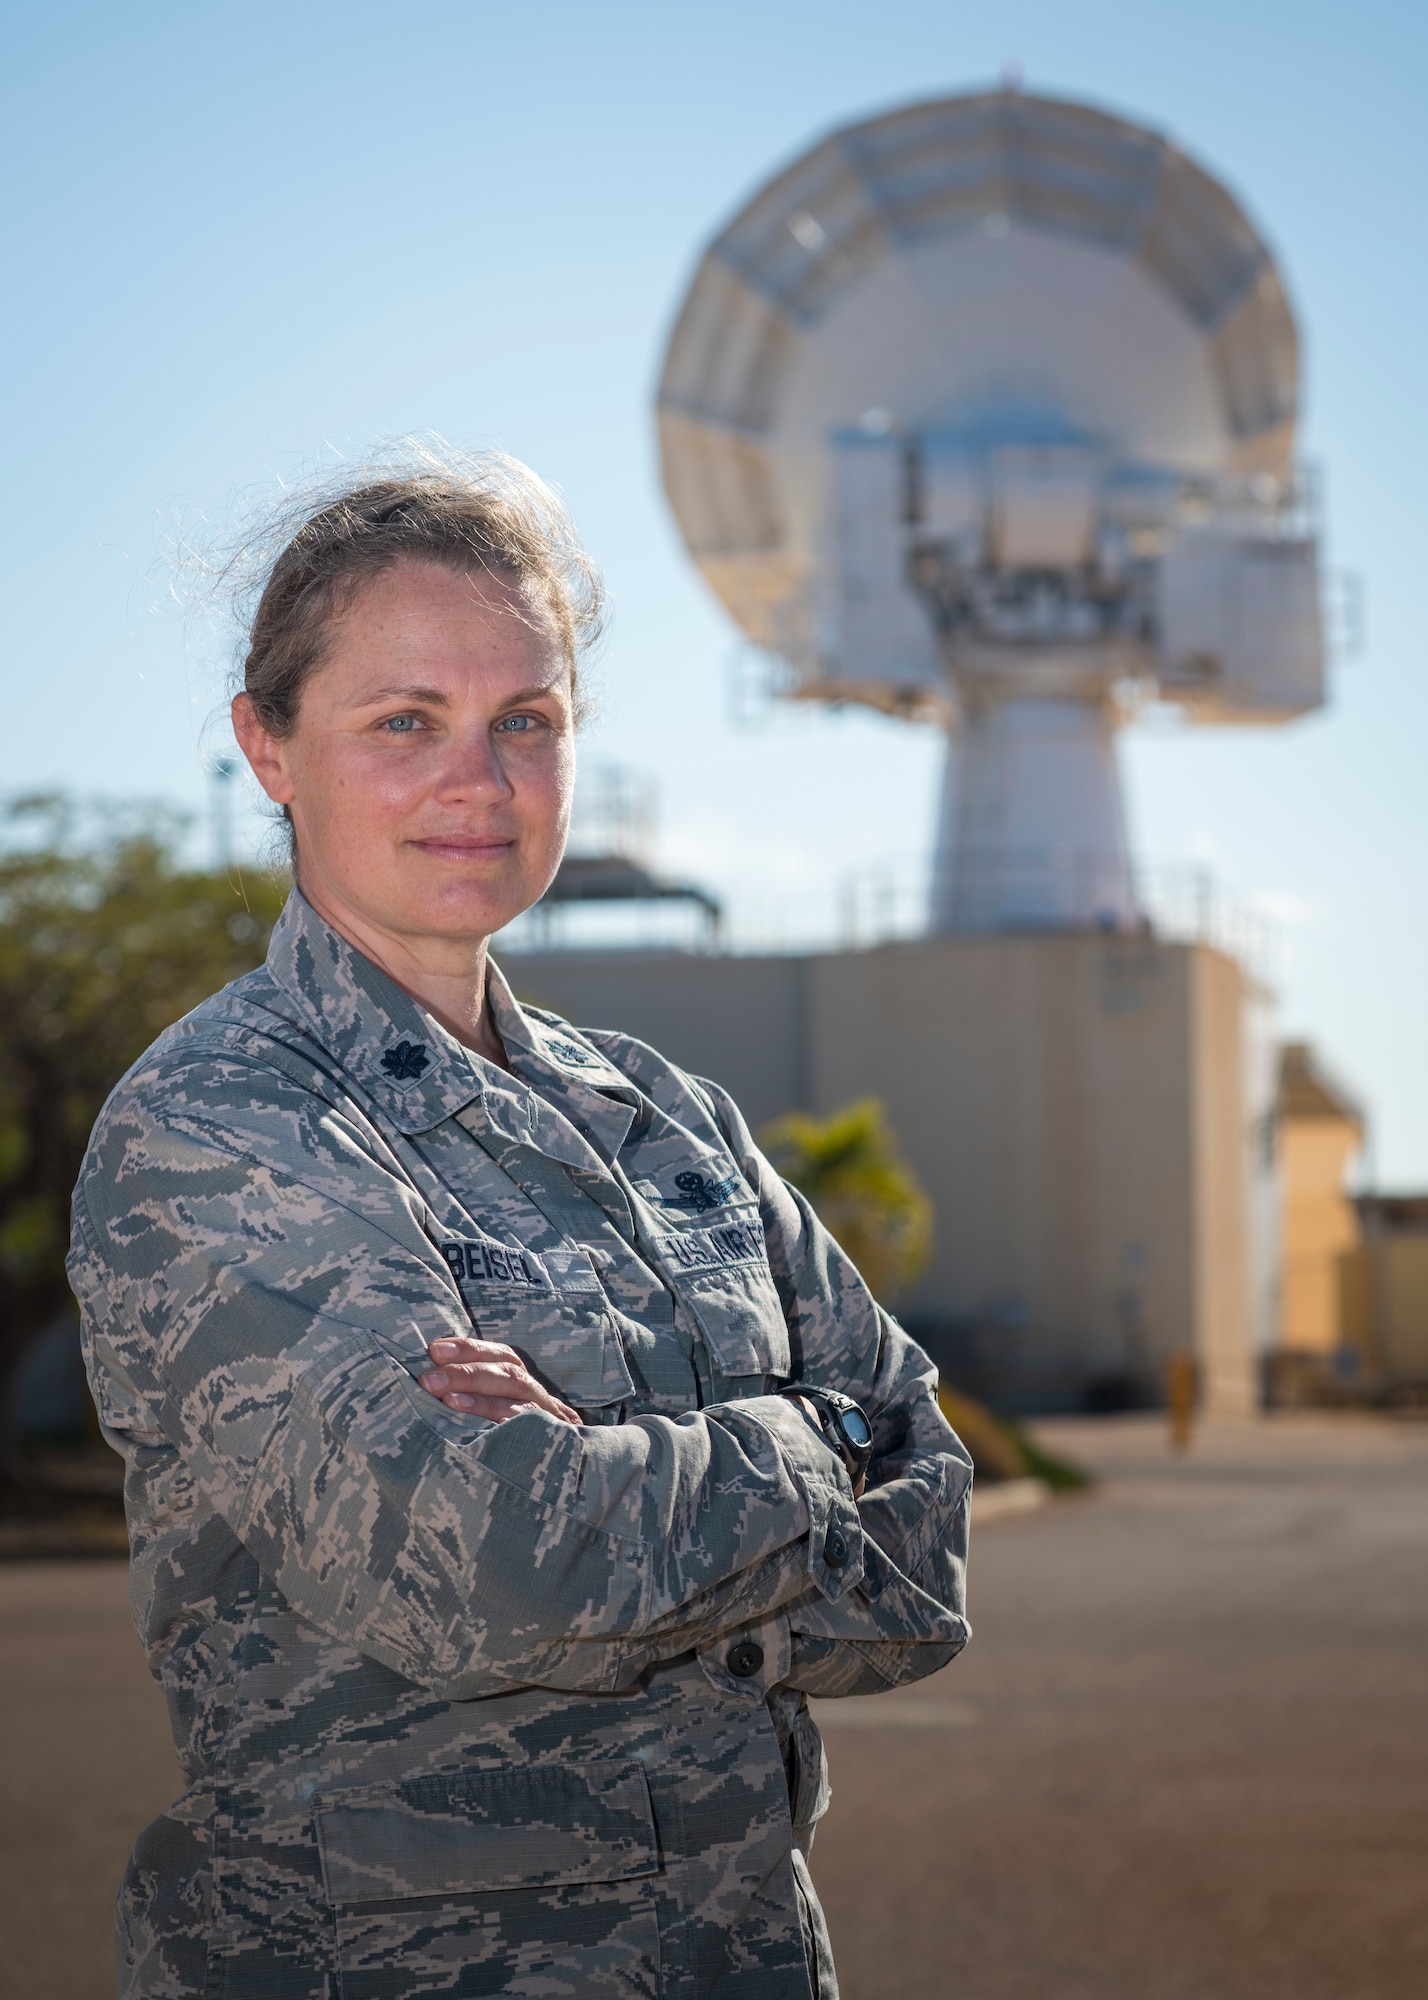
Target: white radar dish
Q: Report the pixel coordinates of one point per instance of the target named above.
(984, 409)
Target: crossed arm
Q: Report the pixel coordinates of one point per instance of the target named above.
(264, 1288)
(485, 1378)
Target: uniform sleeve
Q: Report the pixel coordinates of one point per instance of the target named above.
(247, 1260)
(907, 1616)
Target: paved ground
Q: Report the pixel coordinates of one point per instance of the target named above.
(85, 1761)
(1186, 1757)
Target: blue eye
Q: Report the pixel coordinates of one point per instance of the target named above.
(400, 725)
(517, 724)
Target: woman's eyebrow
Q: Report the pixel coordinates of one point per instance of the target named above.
(533, 693)
(433, 697)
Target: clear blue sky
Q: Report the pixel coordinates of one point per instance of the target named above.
(238, 235)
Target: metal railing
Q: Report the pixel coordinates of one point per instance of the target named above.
(1180, 901)
(889, 899)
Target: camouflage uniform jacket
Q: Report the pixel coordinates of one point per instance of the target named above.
(476, 1708)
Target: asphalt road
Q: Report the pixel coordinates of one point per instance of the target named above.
(1186, 1754)
(1185, 1757)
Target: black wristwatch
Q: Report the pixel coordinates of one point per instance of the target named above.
(843, 1424)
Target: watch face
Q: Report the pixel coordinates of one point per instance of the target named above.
(856, 1428)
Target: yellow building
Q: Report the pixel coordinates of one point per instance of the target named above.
(1321, 1130)
(1353, 1319)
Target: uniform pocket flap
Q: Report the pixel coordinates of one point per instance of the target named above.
(523, 1828)
(741, 1318)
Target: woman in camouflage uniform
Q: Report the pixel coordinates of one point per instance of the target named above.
(482, 1552)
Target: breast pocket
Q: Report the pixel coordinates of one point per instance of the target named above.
(527, 1881)
(552, 1309)
(721, 1271)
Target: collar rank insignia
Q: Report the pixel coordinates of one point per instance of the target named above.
(406, 1060)
(572, 1053)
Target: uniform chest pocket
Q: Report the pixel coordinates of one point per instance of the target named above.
(721, 1271)
(552, 1309)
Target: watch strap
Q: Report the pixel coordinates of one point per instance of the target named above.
(828, 1403)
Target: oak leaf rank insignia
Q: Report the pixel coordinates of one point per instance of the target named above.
(406, 1060)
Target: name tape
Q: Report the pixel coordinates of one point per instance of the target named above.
(494, 1262)
(508, 1264)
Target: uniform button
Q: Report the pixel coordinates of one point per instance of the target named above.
(746, 1658)
(835, 1549)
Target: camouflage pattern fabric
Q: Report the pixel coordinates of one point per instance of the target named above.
(473, 1708)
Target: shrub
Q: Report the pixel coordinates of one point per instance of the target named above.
(105, 938)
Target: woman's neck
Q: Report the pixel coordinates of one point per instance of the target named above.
(445, 975)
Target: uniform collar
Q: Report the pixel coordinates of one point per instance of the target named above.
(404, 1059)
(416, 1070)
(540, 1048)
(558, 1064)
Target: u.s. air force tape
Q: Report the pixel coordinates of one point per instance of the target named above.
(711, 1249)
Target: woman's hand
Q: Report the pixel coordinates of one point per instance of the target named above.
(485, 1378)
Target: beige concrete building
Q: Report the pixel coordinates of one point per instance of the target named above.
(1384, 1280)
(1091, 1116)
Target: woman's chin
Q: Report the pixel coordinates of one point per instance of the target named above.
(459, 913)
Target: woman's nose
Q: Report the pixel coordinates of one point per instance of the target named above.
(472, 769)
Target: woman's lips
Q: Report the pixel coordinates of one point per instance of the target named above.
(459, 849)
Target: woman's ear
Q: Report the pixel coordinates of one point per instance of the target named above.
(266, 753)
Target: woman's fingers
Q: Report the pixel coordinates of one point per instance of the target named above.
(497, 1408)
(488, 1379)
(463, 1347)
(473, 1397)
(488, 1394)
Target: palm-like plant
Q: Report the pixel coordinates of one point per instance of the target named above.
(866, 1195)
(849, 1168)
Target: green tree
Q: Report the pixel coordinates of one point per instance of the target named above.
(105, 938)
(860, 1187)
